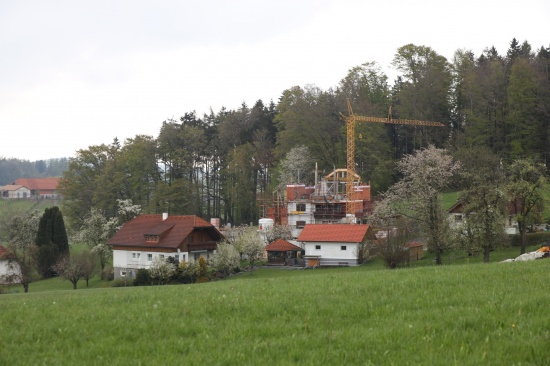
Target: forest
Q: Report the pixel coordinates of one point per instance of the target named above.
(12, 169)
(231, 163)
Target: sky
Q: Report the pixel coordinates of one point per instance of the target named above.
(79, 73)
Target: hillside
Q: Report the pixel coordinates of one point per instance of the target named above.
(427, 315)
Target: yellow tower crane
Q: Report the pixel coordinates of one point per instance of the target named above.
(350, 120)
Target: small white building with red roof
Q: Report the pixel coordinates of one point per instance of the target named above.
(15, 191)
(334, 244)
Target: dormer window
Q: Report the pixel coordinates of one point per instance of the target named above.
(152, 238)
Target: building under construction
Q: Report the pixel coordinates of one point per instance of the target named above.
(325, 202)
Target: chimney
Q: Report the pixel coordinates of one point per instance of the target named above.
(164, 216)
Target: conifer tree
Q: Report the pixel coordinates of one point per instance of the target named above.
(51, 240)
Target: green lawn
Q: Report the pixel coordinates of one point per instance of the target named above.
(490, 314)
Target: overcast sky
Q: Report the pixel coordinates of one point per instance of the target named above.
(79, 73)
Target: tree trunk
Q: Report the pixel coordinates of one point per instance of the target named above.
(486, 251)
(74, 284)
(523, 235)
(438, 253)
(25, 287)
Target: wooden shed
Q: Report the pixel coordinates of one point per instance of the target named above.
(282, 253)
(416, 250)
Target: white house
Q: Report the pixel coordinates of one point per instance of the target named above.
(457, 218)
(334, 244)
(15, 191)
(185, 238)
(5, 268)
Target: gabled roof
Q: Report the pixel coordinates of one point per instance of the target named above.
(12, 187)
(340, 233)
(281, 245)
(172, 232)
(38, 183)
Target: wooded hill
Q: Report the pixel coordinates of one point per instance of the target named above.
(218, 164)
(13, 169)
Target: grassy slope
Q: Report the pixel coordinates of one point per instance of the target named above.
(461, 314)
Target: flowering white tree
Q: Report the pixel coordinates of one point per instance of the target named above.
(296, 166)
(21, 232)
(250, 244)
(426, 173)
(96, 230)
(161, 271)
(278, 231)
(226, 258)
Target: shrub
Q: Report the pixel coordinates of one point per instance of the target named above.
(186, 272)
(121, 282)
(107, 274)
(532, 238)
(143, 278)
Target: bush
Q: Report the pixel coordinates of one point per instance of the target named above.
(143, 277)
(107, 274)
(121, 282)
(532, 238)
(186, 272)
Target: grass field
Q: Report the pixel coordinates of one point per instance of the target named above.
(491, 314)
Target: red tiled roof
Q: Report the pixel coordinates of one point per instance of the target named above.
(281, 245)
(38, 183)
(414, 244)
(172, 232)
(4, 253)
(341, 233)
(11, 187)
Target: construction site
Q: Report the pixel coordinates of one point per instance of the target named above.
(339, 197)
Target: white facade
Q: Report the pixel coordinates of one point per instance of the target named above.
(5, 269)
(333, 253)
(299, 214)
(126, 262)
(16, 192)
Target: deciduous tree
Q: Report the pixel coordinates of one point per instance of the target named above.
(250, 244)
(226, 258)
(21, 235)
(426, 174)
(484, 200)
(526, 182)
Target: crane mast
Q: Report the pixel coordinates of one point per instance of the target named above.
(350, 120)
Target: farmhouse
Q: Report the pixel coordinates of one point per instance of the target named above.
(457, 217)
(40, 187)
(334, 244)
(185, 238)
(15, 191)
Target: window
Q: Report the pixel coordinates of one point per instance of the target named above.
(149, 257)
(161, 256)
(136, 256)
(122, 273)
(183, 257)
(343, 247)
(458, 218)
(300, 207)
(317, 247)
(177, 257)
(300, 224)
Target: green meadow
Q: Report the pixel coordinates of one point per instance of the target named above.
(463, 314)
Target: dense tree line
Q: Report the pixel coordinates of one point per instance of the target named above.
(227, 163)
(13, 169)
